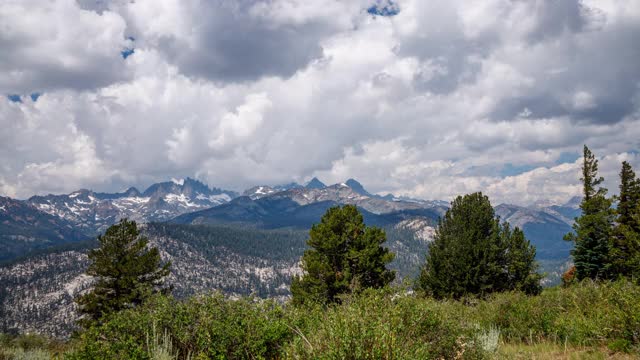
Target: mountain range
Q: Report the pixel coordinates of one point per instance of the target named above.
(93, 212)
(51, 220)
(217, 239)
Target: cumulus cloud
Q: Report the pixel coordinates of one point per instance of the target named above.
(231, 40)
(431, 102)
(56, 44)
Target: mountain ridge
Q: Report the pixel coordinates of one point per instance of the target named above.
(290, 205)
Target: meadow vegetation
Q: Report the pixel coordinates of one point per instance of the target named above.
(588, 320)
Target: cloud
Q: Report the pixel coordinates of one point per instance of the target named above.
(56, 44)
(431, 102)
(233, 40)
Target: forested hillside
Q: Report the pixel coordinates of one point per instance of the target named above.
(235, 260)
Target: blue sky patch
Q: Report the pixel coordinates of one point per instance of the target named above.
(384, 8)
(14, 98)
(35, 96)
(567, 157)
(127, 52)
(512, 170)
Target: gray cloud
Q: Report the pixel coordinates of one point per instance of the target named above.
(431, 102)
(54, 45)
(231, 40)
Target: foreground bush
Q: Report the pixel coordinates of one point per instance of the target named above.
(378, 324)
(371, 326)
(204, 327)
(585, 314)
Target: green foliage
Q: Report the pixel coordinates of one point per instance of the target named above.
(625, 252)
(204, 327)
(345, 257)
(375, 324)
(629, 197)
(29, 347)
(126, 272)
(21, 354)
(379, 324)
(592, 230)
(473, 254)
(625, 240)
(25, 341)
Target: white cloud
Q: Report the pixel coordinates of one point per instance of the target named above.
(432, 102)
(240, 124)
(56, 44)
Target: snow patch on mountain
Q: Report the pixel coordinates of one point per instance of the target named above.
(180, 199)
(215, 199)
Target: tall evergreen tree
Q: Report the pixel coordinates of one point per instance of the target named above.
(473, 254)
(592, 229)
(520, 262)
(126, 273)
(625, 242)
(629, 197)
(346, 256)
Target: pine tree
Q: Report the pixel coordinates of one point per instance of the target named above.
(592, 230)
(521, 262)
(629, 197)
(126, 273)
(346, 256)
(473, 254)
(625, 242)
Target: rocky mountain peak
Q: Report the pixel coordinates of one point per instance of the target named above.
(357, 187)
(315, 184)
(574, 202)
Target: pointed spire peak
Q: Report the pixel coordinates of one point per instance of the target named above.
(315, 184)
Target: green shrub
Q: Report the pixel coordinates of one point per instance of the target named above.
(29, 346)
(22, 354)
(379, 325)
(207, 327)
(587, 313)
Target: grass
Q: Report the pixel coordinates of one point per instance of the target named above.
(21, 354)
(29, 347)
(585, 321)
(553, 351)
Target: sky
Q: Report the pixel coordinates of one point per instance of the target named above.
(427, 99)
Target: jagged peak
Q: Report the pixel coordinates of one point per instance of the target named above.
(189, 180)
(315, 183)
